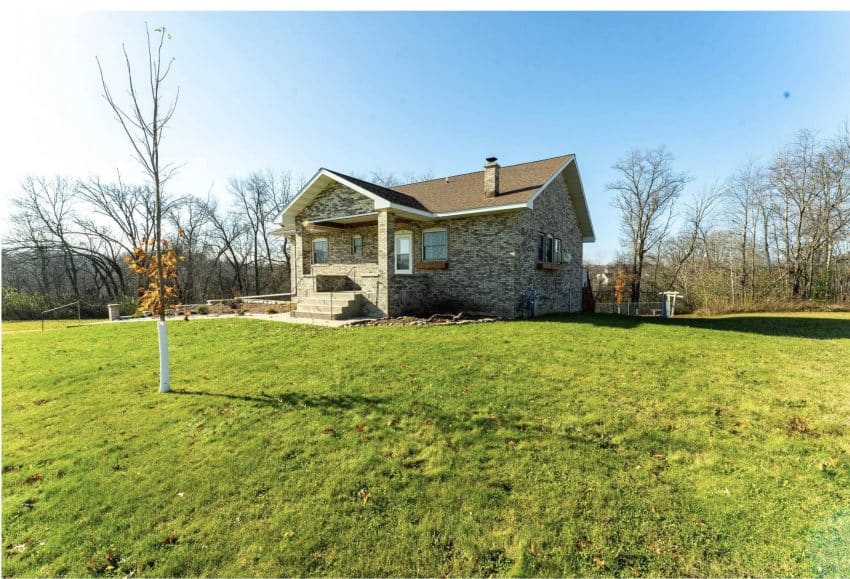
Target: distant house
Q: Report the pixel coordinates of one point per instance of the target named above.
(505, 240)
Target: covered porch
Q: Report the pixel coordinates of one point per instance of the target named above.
(347, 260)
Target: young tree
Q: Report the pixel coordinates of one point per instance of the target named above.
(646, 193)
(144, 130)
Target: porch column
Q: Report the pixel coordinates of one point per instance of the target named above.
(296, 258)
(386, 255)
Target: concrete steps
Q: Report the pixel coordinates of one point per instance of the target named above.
(324, 306)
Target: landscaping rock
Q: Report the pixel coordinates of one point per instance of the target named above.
(433, 320)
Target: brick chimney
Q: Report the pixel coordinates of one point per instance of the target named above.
(491, 177)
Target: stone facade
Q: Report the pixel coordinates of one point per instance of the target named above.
(480, 274)
(491, 267)
(336, 200)
(552, 290)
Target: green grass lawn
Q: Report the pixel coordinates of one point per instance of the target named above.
(35, 325)
(579, 445)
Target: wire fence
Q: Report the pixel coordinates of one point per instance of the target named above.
(62, 307)
(630, 308)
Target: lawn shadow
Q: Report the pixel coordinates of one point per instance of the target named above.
(795, 327)
(295, 399)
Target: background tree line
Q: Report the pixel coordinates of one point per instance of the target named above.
(69, 239)
(773, 235)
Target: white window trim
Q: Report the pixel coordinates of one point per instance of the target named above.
(409, 235)
(313, 250)
(435, 230)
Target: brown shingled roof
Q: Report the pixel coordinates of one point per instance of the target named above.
(517, 184)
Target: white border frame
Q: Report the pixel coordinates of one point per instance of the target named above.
(408, 234)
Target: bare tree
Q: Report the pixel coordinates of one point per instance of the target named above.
(743, 194)
(229, 233)
(145, 133)
(191, 218)
(44, 221)
(281, 192)
(696, 229)
(646, 193)
(793, 176)
(391, 179)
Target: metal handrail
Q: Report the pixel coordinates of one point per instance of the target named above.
(354, 269)
(348, 273)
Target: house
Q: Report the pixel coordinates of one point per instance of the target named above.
(504, 240)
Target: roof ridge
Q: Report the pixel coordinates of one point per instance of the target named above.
(480, 170)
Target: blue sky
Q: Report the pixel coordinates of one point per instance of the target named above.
(438, 92)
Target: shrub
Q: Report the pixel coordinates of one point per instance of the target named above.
(203, 310)
(271, 311)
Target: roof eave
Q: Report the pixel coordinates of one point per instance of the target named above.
(579, 202)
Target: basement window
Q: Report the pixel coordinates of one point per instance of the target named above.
(434, 245)
(320, 250)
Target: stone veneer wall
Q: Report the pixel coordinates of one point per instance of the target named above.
(554, 290)
(481, 274)
(336, 200)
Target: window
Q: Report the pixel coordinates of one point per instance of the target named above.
(557, 251)
(320, 250)
(541, 247)
(549, 248)
(403, 252)
(434, 246)
(357, 246)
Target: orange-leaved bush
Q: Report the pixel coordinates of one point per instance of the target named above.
(621, 285)
(144, 262)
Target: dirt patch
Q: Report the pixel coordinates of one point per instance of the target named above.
(237, 306)
(798, 425)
